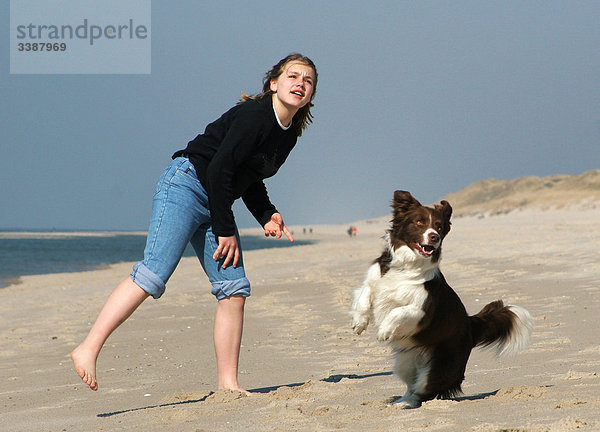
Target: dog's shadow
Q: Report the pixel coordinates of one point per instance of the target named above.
(331, 379)
(479, 396)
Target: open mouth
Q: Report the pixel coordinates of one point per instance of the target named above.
(425, 250)
(298, 93)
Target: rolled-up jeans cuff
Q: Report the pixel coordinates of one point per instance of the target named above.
(147, 280)
(228, 288)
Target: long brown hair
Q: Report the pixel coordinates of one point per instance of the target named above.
(303, 117)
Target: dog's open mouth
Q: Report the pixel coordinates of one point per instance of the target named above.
(425, 250)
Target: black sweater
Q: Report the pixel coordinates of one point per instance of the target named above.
(234, 155)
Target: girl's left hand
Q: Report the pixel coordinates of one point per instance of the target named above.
(275, 227)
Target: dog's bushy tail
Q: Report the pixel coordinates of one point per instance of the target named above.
(506, 328)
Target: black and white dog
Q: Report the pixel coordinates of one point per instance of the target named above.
(420, 315)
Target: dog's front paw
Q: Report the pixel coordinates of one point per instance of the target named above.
(359, 324)
(385, 333)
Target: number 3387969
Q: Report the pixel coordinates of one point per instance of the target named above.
(41, 46)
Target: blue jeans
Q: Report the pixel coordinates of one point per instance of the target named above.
(180, 215)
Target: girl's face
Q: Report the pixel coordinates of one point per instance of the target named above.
(294, 86)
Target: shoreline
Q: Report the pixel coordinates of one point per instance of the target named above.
(18, 234)
(11, 275)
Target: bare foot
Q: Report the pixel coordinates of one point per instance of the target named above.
(85, 365)
(236, 388)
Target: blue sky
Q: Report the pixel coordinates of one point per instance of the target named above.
(426, 96)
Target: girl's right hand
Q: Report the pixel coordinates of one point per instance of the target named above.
(275, 227)
(228, 248)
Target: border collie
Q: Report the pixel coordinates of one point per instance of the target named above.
(420, 315)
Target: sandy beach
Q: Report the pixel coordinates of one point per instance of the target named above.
(307, 370)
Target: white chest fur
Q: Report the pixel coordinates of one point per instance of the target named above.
(397, 289)
(398, 297)
(395, 299)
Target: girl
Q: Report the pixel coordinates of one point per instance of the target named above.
(192, 203)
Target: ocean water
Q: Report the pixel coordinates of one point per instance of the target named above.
(43, 253)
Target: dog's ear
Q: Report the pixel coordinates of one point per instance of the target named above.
(446, 209)
(404, 201)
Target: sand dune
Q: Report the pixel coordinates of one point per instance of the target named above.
(500, 196)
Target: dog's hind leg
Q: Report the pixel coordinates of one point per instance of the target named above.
(408, 401)
(412, 366)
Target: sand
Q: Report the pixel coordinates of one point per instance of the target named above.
(307, 370)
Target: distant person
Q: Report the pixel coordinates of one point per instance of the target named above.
(192, 203)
